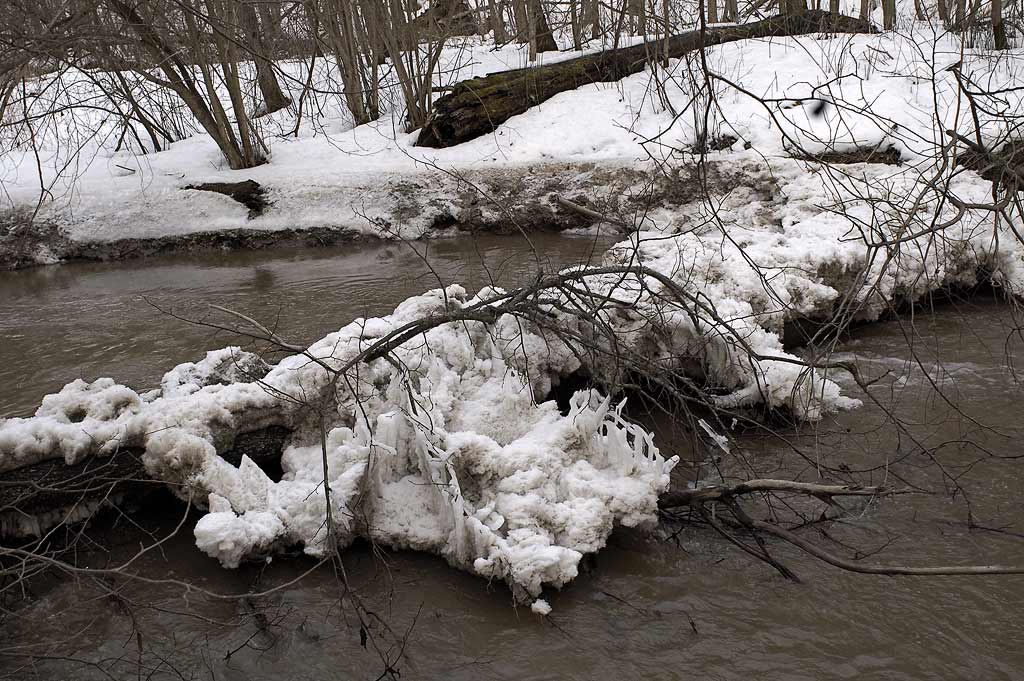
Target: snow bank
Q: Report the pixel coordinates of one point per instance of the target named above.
(878, 91)
(755, 261)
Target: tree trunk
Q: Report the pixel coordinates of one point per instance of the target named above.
(476, 107)
(889, 14)
(273, 98)
(792, 7)
(181, 78)
(497, 21)
(574, 19)
(594, 18)
(519, 14)
(972, 15)
(37, 497)
(641, 17)
(540, 32)
(998, 27)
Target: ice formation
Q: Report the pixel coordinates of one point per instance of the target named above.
(225, 366)
(440, 446)
(449, 454)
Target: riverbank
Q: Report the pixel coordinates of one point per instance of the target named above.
(623, 151)
(414, 204)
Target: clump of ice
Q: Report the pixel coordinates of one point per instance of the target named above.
(81, 419)
(451, 455)
(440, 446)
(224, 366)
(97, 418)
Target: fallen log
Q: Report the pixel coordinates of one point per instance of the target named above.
(40, 496)
(44, 492)
(249, 193)
(478, 106)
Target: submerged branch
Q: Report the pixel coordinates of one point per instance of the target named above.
(855, 566)
(701, 495)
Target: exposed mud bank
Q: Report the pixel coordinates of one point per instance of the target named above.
(431, 203)
(47, 244)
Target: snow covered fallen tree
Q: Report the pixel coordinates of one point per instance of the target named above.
(438, 445)
(478, 106)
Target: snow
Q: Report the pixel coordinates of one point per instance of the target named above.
(541, 607)
(455, 458)
(82, 419)
(443, 449)
(224, 366)
(885, 89)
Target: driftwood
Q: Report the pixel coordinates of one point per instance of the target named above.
(249, 193)
(37, 497)
(43, 495)
(889, 155)
(478, 106)
(1003, 165)
(701, 495)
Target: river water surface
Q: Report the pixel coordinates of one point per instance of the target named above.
(945, 418)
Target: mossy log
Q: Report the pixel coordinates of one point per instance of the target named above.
(478, 106)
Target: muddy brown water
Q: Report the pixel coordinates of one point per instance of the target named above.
(118, 319)
(681, 603)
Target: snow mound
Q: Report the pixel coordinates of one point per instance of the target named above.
(225, 366)
(82, 419)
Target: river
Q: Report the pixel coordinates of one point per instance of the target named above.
(678, 604)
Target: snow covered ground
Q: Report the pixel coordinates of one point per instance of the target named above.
(882, 90)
